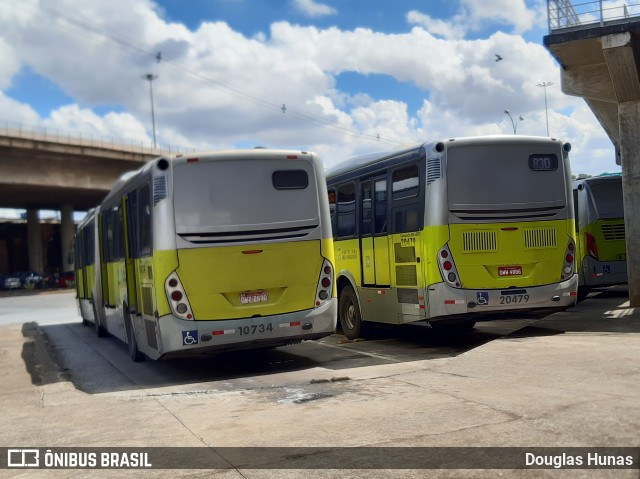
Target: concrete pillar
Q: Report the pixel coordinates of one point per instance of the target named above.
(621, 55)
(34, 241)
(67, 230)
(629, 115)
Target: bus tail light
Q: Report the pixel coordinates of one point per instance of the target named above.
(177, 297)
(448, 268)
(325, 284)
(592, 247)
(569, 258)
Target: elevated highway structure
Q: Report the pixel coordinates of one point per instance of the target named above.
(45, 171)
(597, 45)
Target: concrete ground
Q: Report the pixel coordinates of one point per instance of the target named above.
(571, 379)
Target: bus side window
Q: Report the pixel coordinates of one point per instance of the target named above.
(380, 219)
(118, 229)
(88, 251)
(575, 208)
(78, 250)
(107, 236)
(405, 191)
(144, 220)
(332, 210)
(346, 210)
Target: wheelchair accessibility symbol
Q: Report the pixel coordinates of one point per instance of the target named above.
(606, 269)
(482, 298)
(190, 337)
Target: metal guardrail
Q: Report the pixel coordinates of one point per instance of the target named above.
(568, 15)
(55, 135)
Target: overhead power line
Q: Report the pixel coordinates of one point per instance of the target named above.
(87, 24)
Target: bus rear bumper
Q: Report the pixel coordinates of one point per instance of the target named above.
(447, 301)
(603, 273)
(192, 338)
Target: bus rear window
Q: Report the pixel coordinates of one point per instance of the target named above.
(218, 195)
(290, 179)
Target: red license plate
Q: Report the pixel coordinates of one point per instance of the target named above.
(249, 297)
(509, 270)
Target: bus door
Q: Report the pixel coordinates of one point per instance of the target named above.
(406, 213)
(366, 234)
(375, 240)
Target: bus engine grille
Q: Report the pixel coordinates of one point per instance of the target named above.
(479, 241)
(539, 238)
(613, 232)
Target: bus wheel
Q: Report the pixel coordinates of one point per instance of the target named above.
(349, 313)
(101, 332)
(135, 354)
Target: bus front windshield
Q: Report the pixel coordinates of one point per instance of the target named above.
(242, 195)
(493, 178)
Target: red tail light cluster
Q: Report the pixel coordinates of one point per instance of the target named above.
(325, 284)
(568, 266)
(592, 247)
(448, 268)
(177, 297)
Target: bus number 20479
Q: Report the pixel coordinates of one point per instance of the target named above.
(514, 299)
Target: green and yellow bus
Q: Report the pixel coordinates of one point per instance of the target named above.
(601, 253)
(453, 232)
(84, 250)
(208, 252)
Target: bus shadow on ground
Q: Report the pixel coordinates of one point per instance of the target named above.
(71, 352)
(602, 312)
(36, 354)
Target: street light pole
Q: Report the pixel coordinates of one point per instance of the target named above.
(150, 77)
(513, 123)
(546, 114)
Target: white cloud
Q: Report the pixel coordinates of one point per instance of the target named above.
(509, 12)
(9, 64)
(435, 26)
(219, 88)
(84, 121)
(313, 9)
(14, 113)
(473, 15)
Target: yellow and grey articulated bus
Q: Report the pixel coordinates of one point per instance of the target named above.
(452, 230)
(84, 249)
(601, 258)
(209, 252)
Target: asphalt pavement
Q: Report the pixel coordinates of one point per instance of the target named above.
(569, 380)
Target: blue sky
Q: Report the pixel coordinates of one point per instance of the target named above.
(354, 76)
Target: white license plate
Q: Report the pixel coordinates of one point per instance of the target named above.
(250, 297)
(509, 270)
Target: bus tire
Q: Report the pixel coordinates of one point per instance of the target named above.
(351, 321)
(583, 291)
(135, 354)
(101, 332)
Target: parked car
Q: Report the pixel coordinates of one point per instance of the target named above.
(62, 280)
(11, 281)
(31, 280)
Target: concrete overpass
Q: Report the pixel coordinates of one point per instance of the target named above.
(598, 49)
(47, 171)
